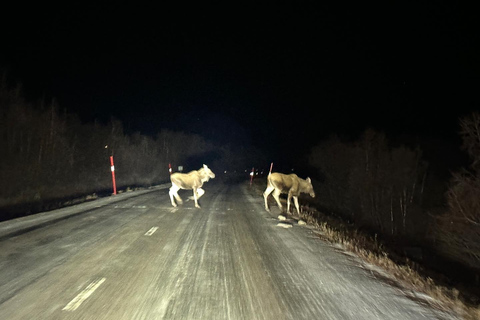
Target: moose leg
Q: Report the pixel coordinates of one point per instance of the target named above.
(276, 195)
(289, 196)
(195, 197)
(295, 199)
(174, 193)
(266, 194)
(200, 192)
(177, 197)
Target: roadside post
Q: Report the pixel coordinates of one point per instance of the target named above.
(112, 168)
(271, 166)
(170, 168)
(251, 175)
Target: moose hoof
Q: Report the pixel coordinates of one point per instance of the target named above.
(174, 205)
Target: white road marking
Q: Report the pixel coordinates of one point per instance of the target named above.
(130, 207)
(82, 296)
(173, 210)
(151, 231)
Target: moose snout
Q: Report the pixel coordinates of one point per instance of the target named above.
(312, 194)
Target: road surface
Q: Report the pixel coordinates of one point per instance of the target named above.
(133, 256)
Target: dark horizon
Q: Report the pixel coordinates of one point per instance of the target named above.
(278, 77)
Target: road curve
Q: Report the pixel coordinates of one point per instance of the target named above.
(136, 257)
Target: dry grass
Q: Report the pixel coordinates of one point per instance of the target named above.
(373, 252)
(405, 276)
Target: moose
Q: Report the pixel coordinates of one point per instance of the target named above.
(190, 181)
(289, 184)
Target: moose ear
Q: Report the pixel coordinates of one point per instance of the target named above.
(205, 166)
(309, 180)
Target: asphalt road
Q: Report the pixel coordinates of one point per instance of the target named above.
(133, 256)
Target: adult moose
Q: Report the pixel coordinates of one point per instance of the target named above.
(289, 184)
(191, 181)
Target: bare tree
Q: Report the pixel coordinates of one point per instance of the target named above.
(457, 232)
(373, 185)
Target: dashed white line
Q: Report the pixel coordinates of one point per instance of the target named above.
(82, 296)
(151, 231)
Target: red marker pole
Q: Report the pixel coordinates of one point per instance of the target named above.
(170, 168)
(112, 167)
(251, 175)
(271, 166)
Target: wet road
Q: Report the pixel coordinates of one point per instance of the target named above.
(133, 256)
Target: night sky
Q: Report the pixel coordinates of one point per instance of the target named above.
(279, 76)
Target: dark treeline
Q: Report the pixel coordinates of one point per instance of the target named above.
(392, 191)
(47, 154)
